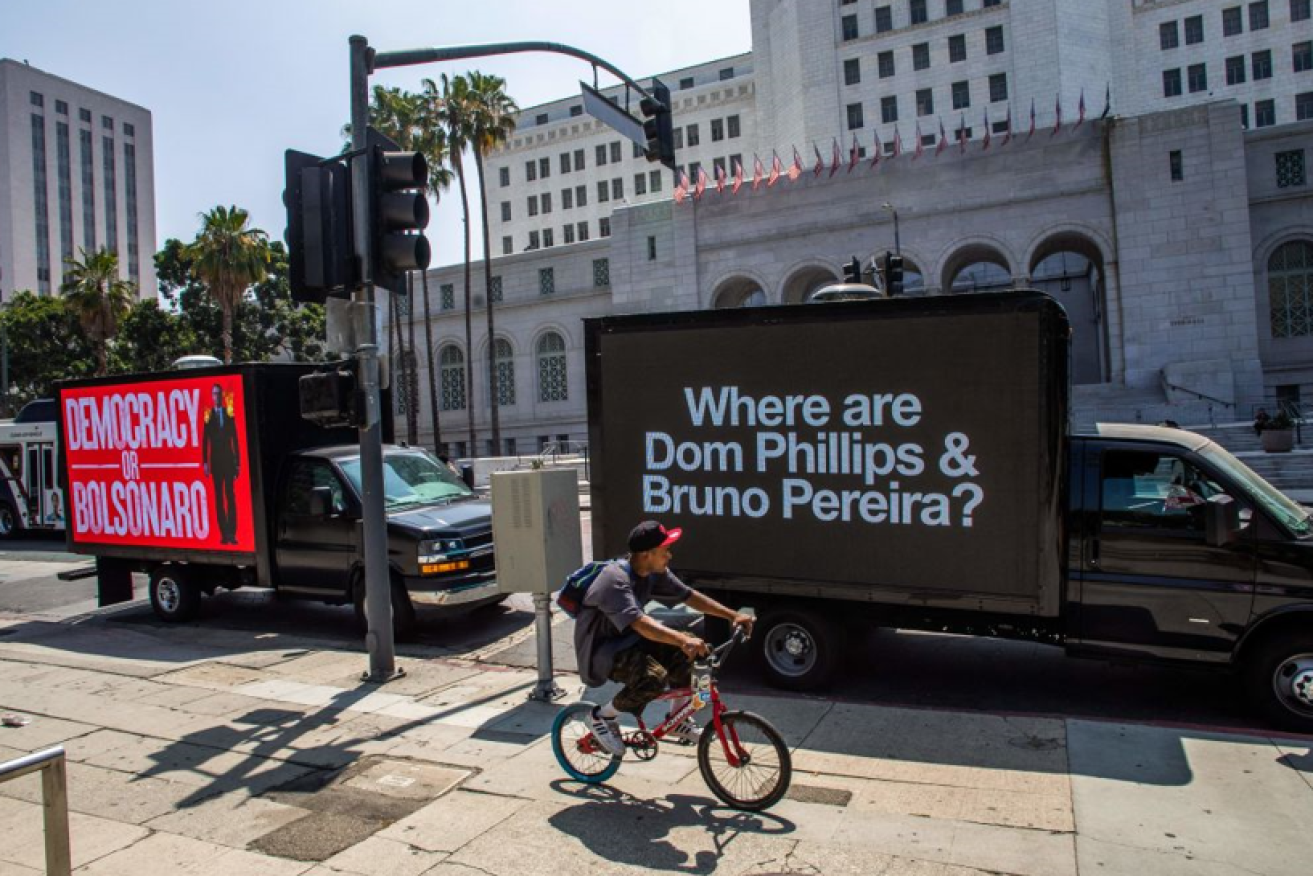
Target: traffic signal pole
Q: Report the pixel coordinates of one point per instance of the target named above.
(378, 584)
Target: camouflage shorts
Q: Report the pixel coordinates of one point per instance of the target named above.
(647, 670)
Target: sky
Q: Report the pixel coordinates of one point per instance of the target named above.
(231, 85)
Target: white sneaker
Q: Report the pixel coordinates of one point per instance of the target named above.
(686, 733)
(607, 733)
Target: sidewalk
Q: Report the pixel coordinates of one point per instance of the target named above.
(207, 751)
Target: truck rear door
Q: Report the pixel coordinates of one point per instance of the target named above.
(1150, 584)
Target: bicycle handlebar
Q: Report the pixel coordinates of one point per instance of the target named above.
(718, 654)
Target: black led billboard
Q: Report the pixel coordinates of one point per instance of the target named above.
(908, 445)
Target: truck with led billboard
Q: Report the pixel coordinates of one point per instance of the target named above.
(907, 462)
(209, 478)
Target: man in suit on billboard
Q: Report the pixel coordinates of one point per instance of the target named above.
(222, 464)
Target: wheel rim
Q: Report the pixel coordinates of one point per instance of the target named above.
(6, 521)
(1293, 684)
(760, 768)
(579, 755)
(169, 594)
(791, 649)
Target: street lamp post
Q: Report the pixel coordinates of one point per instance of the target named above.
(898, 248)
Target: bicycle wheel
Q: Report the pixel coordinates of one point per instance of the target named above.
(764, 766)
(576, 751)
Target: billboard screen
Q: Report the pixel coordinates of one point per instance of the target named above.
(160, 463)
(901, 447)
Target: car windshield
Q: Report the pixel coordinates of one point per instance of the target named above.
(1282, 509)
(412, 477)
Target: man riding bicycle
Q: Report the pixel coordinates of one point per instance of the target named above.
(616, 640)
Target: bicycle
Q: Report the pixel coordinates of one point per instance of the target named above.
(749, 769)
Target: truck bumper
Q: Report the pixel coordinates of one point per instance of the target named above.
(461, 594)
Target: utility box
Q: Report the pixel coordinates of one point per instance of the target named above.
(535, 529)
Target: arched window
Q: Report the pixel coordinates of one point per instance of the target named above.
(452, 365)
(1290, 289)
(551, 369)
(504, 361)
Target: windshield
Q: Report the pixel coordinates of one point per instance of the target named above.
(412, 477)
(1282, 509)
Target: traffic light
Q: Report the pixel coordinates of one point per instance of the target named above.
(893, 274)
(317, 195)
(658, 126)
(399, 211)
(852, 272)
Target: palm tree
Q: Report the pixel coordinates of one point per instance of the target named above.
(454, 108)
(492, 121)
(100, 298)
(228, 256)
(433, 143)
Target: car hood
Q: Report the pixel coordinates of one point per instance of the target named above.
(468, 517)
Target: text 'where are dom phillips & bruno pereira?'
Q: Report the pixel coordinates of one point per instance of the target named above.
(799, 438)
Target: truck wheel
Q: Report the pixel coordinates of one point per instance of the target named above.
(403, 611)
(798, 649)
(1279, 679)
(173, 597)
(8, 520)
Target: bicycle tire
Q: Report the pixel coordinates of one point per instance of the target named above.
(767, 773)
(583, 766)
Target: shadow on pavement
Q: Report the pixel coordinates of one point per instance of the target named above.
(618, 827)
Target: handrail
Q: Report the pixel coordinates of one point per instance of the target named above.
(54, 800)
(1167, 383)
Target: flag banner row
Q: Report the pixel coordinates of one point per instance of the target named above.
(732, 179)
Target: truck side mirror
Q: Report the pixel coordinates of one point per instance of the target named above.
(1221, 520)
(321, 501)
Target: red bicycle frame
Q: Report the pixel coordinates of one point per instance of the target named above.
(734, 756)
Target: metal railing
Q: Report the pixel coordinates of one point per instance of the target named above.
(54, 800)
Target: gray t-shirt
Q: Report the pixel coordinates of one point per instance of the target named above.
(613, 602)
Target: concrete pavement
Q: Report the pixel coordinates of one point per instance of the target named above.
(199, 750)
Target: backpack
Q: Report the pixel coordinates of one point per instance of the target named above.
(571, 598)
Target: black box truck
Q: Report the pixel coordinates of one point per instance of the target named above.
(208, 478)
(907, 463)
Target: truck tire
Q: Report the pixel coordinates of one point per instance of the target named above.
(403, 610)
(798, 648)
(172, 596)
(1279, 680)
(8, 520)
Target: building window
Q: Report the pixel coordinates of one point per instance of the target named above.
(889, 109)
(1198, 77)
(617, 189)
(957, 48)
(600, 154)
(61, 107)
(64, 153)
(927, 140)
(717, 130)
(953, 7)
(544, 168)
(84, 115)
(447, 295)
(849, 24)
(1174, 163)
(994, 40)
(451, 367)
(129, 130)
(36, 99)
(603, 191)
(504, 176)
(1244, 116)
(506, 211)
(998, 87)
(534, 242)
(732, 123)
(1290, 169)
(547, 202)
(1265, 113)
(533, 205)
(1168, 36)
(1235, 70)
(507, 246)
(553, 383)
(549, 238)
(601, 273)
(1304, 106)
(530, 170)
(1262, 65)
(726, 73)
(925, 102)
(540, 119)
(640, 184)
(854, 116)
(581, 230)
(1171, 83)
(1194, 30)
(654, 180)
(1290, 289)
(1232, 22)
(41, 211)
(920, 56)
(1258, 18)
(615, 152)
(581, 196)
(546, 281)
(679, 138)
(504, 363)
(961, 95)
(130, 199)
(604, 226)
(1300, 10)
(692, 136)
(494, 290)
(110, 184)
(917, 11)
(852, 74)
(578, 159)
(565, 162)
(686, 83)
(886, 64)
(884, 19)
(567, 233)
(88, 192)
(1301, 56)
(576, 110)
